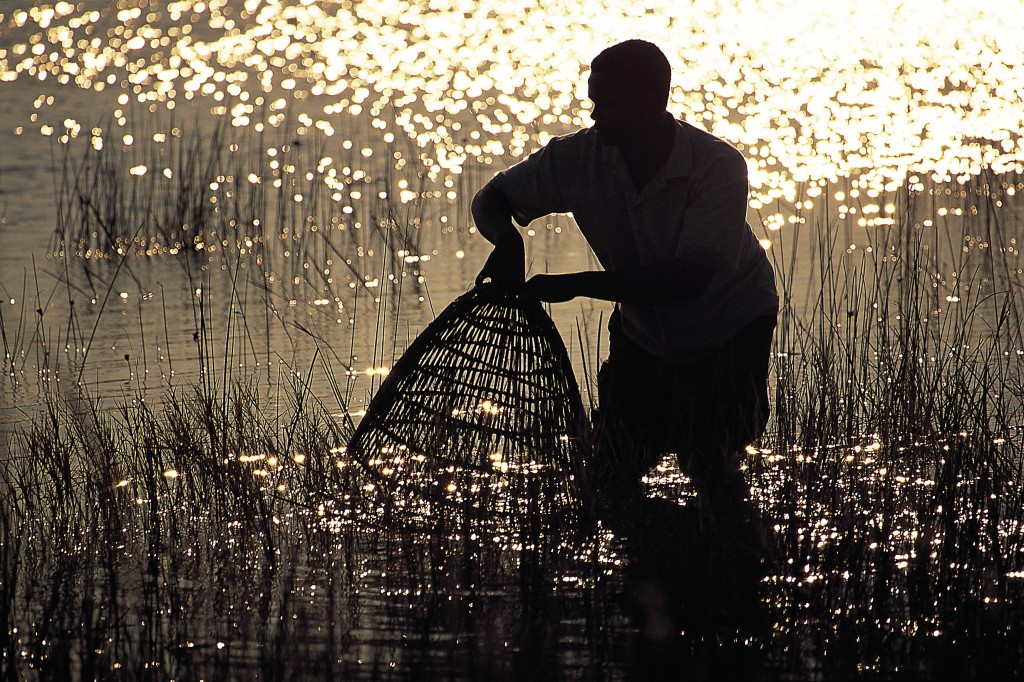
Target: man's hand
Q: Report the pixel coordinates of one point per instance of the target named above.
(505, 267)
(550, 288)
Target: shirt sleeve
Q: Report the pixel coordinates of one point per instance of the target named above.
(715, 221)
(535, 186)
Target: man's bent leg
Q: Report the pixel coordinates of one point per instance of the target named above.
(722, 407)
(634, 395)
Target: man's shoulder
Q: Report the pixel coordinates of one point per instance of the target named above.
(580, 141)
(712, 153)
(705, 143)
(570, 154)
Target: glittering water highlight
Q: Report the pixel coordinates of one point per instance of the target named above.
(811, 93)
(320, 156)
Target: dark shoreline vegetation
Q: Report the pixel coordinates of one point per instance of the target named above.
(222, 531)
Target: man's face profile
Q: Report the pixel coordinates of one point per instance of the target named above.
(619, 113)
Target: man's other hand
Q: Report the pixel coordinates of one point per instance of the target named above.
(549, 288)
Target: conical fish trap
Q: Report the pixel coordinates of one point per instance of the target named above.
(482, 411)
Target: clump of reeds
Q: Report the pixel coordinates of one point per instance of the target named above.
(277, 197)
(157, 529)
(892, 469)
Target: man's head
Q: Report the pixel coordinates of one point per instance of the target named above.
(629, 85)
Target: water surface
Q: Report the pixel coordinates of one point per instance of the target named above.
(194, 193)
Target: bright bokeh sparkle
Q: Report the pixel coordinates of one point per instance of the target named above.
(811, 92)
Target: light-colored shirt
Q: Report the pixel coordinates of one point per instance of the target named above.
(693, 209)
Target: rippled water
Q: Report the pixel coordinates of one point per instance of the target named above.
(278, 192)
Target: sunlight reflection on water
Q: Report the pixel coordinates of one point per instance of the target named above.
(420, 96)
(812, 93)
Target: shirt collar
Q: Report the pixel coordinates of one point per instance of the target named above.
(678, 165)
(680, 161)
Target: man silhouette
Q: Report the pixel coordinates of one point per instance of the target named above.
(663, 205)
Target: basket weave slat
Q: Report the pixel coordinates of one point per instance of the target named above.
(426, 421)
(534, 381)
(483, 403)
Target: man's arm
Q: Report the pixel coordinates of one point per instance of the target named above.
(671, 280)
(492, 214)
